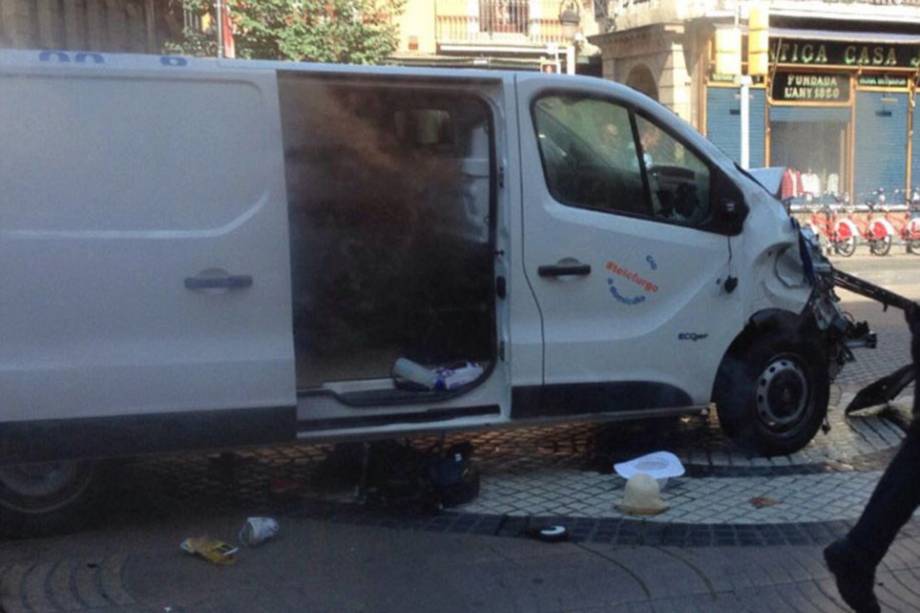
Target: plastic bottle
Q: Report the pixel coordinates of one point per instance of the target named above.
(411, 371)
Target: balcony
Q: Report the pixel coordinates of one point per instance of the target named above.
(489, 23)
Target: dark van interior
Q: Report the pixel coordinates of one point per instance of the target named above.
(390, 194)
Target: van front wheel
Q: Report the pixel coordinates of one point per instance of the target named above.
(773, 399)
(44, 498)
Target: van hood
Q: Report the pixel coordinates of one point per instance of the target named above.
(771, 178)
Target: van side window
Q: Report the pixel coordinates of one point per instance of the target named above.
(678, 179)
(589, 154)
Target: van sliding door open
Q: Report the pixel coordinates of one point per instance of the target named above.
(391, 197)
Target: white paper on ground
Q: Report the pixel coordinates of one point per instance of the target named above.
(658, 465)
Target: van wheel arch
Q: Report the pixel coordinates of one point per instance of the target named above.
(760, 323)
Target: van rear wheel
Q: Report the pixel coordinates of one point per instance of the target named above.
(45, 498)
(773, 399)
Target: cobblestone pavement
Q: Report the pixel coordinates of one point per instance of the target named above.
(326, 566)
(566, 471)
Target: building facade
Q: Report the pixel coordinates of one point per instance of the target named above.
(134, 26)
(519, 34)
(837, 107)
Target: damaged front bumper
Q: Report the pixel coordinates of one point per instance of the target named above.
(844, 333)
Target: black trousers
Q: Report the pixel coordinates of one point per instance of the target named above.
(894, 500)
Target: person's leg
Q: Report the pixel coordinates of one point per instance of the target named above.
(854, 558)
(894, 500)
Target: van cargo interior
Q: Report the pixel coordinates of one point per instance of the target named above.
(390, 199)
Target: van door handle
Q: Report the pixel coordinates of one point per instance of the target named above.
(564, 268)
(219, 282)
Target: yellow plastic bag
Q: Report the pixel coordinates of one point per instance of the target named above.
(212, 550)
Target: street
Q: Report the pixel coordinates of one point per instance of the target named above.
(712, 550)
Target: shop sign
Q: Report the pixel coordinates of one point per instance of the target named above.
(810, 87)
(722, 78)
(879, 2)
(833, 53)
(882, 80)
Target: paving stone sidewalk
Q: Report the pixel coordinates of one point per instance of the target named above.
(322, 566)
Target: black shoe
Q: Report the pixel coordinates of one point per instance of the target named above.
(854, 582)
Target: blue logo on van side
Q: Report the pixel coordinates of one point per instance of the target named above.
(173, 60)
(625, 274)
(621, 298)
(60, 56)
(63, 57)
(96, 57)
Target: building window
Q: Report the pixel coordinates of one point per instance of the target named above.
(509, 16)
(812, 143)
(191, 20)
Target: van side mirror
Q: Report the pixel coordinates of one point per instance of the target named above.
(730, 207)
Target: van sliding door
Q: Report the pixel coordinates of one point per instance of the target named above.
(393, 211)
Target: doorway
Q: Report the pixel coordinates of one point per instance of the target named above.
(390, 205)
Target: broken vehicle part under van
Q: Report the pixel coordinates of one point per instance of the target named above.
(887, 388)
(848, 334)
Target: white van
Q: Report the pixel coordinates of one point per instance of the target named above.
(206, 254)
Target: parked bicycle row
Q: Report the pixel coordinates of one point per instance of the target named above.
(878, 222)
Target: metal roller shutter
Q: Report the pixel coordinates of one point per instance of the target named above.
(723, 116)
(915, 148)
(809, 114)
(881, 142)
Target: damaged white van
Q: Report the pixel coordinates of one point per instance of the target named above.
(199, 253)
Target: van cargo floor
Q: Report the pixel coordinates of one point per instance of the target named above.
(372, 363)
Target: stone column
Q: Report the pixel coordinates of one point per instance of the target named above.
(674, 84)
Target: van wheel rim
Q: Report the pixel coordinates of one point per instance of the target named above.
(782, 394)
(42, 487)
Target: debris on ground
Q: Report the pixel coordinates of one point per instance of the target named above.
(762, 502)
(257, 530)
(401, 476)
(455, 479)
(642, 496)
(883, 391)
(660, 465)
(549, 534)
(212, 550)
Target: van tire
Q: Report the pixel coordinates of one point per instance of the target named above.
(47, 498)
(773, 398)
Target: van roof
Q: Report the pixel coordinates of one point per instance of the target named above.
(131, 61)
